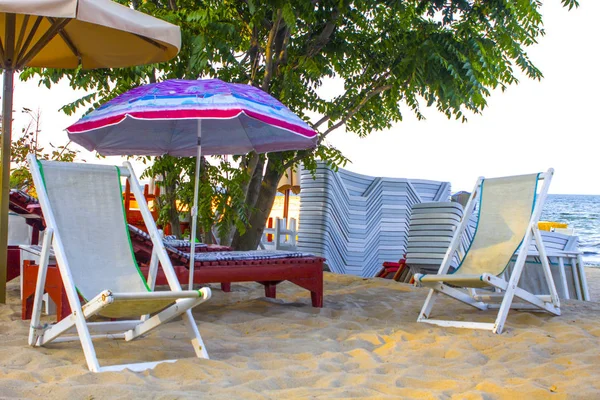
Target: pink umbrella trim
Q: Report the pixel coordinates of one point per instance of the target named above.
(189, 114)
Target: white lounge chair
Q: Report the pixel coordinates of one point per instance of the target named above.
(509, 210)
(86, 227)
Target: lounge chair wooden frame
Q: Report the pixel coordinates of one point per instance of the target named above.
(183, 301)
(504, 290)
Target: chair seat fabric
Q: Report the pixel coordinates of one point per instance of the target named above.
(505, 208)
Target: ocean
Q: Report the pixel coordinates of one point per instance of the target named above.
(582, 213)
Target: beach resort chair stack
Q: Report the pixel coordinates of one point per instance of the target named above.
(509, 209)
(566, 264)
(90, 239)
(432, 226)
(357, 221)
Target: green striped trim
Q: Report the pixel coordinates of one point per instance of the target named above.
(41, 168)
(467, 227)
(127, 231)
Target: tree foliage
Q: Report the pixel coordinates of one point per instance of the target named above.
(393, 57)
(28, 142)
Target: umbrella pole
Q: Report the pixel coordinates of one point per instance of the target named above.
(286, 204)
(194, 211)
(7, 103)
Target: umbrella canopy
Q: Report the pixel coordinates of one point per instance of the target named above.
(90, 33)
(67, 34)
(186, 118)
(289, 181)
(164, 118)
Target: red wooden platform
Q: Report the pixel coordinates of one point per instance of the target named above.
(305, 272)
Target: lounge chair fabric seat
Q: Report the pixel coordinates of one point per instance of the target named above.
(86, 242)
(499, 233)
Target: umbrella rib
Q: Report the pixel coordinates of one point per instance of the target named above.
(9, 36)
(2, 54)
(65, 37)
(22, 33)
(30, 36)
(152, 42)
(44, 40)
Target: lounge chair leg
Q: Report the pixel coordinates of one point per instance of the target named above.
(192, 329)
(586, 293)
(40, 285)
(546, 267)
(576, 280)
(317, 299)
(429, 302)
(510, 291)
(270, 290)
(226, 287)
(563, 278)
(314, 284)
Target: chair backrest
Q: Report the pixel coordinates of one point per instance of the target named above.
(505, 210)
(87, 205)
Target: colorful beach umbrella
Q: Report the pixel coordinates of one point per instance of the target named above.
(192, 117)
(68, 34)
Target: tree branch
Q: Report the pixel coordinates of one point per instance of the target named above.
(364, 73)
(281, 43)
(321, 121)
(250, 163)
(324, 36)
(356, 109)
(269, 53)
(254, 56)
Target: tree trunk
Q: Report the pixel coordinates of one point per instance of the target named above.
(253, 190)
(250, 164)
(260, 213)
(252, 194)
(174, 220)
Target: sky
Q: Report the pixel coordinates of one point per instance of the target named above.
(529, 128)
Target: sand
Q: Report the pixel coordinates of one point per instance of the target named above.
(364, 343)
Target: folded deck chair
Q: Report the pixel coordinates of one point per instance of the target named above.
(509, 210)
(431, 228)
(90, 240)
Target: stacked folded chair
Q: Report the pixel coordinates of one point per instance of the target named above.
(357, 221)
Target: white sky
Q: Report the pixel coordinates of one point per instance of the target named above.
(529, 128)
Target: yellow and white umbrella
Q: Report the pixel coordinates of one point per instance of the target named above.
(67, 34)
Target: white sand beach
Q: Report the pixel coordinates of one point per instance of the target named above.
(364, 343)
